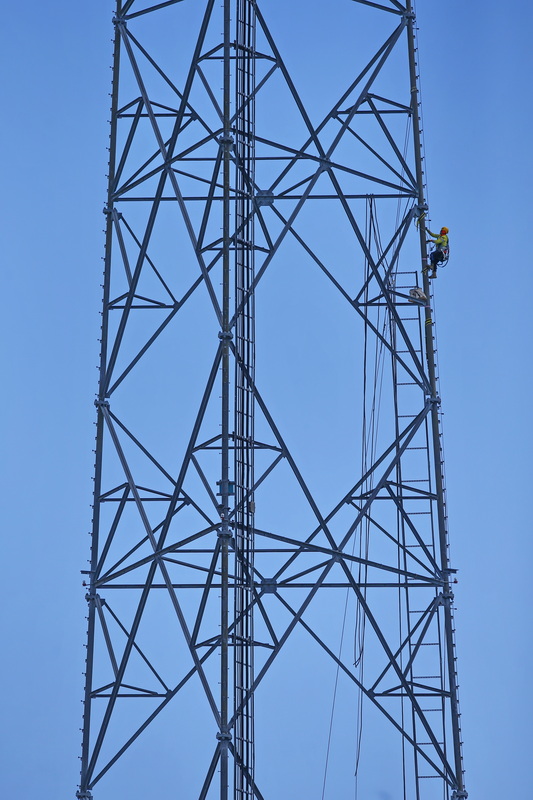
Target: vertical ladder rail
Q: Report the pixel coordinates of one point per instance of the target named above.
(459, 790)
(420, 465)
(244, 400)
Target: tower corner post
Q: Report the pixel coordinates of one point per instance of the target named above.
(435, 412)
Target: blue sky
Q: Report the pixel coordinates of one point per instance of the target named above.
(477, 107)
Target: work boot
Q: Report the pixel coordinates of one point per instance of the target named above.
(434, 275)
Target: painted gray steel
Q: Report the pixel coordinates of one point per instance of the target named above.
(214, 544)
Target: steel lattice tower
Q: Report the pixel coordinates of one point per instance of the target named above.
(269, 561)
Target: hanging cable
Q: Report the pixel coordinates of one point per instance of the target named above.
(373, 376)
(371, 414)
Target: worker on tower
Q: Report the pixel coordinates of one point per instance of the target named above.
(441, 251)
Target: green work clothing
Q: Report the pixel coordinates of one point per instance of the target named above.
(441, 240)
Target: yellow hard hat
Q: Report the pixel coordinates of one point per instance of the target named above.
(444, 230)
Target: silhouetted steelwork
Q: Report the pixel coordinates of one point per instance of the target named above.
(267, 571)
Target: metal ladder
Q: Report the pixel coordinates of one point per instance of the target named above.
(419, 453)
(244, 405)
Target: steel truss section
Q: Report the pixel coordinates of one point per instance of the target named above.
(270, 592)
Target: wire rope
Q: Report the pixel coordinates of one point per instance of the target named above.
(371, 415)
(371, 412)
(370, 426)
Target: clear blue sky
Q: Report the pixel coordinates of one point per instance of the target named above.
(476, 69)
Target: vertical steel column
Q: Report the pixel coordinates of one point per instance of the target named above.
(435, 411)
(226, 143)
(91, 595)
(225, 335)
(244, 400)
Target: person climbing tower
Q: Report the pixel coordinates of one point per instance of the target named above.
(441, 251)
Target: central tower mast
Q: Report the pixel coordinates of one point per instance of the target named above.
(270, 592)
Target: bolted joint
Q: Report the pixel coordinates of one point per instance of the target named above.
(434, 400)
(109, 211)
(226, 487)
(419, 212)
(225, 336)
(409, 16)
(460, 794)
(119, 21)
(91, 595)
(84, 795)
(269, 585)
(101, 403)
(446, 598)
(264, 197)
(224, 736)
(226, 140)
